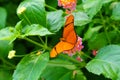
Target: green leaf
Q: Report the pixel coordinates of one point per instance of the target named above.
(17, 31)
(116, 12)
(35, 29)
(3, 15)
(91, 7)
(52, 3)
(79, 75)
(62, 63)
(55, 20)
(106, 62)
(57, 73)
(5, 47)
(31, 67)
(107, 1)
(91, 31)
(61, 69)
(81, 18)
(18, 27)
(32, 12)
(6, 33)
(62, 73)
(97, 41)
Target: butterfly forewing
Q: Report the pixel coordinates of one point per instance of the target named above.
(69, 33)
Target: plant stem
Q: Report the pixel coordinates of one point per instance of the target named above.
(38, 44)
(103, 21)
(46, 40)
(116, 29)
(8, 63)
(87, 56)
(50, 7)
(41, 40)
(73, 60)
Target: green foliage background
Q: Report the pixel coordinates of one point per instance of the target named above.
(35, 26)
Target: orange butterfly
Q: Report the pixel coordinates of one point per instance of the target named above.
(69, 39)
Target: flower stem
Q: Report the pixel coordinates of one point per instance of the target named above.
(50, 7)
(87, 56)
(8, 63)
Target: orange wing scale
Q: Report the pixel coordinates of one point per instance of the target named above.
(68, 40)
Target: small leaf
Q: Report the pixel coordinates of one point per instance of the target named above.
(3, 16)
(6, 33)
(54, 20)
(79, 75)
(17, 31)
(31, 67)
(91, 31)
(35, 29)
(81, 18)
(97, 41)
(32, 12)
(106, 62)
(116, 12)
(92, 7)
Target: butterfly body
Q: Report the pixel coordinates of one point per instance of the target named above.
(68, 40)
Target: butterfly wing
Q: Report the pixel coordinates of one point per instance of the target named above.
(60, 47)
(69, 33)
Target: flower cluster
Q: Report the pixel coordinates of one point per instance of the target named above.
(69, 5)
(11, 54)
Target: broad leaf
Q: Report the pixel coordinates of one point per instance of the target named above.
(32, 12)
(106, 62)
(92, 7)
(107, 1)
(81, 18)
(61, 73)
(31, 67)
(116, 12)
(62, 63)
(54, 20)
(57, 73)
(3, 15)
(59, 69)
(35, 29)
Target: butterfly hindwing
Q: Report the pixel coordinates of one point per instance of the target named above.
(60, 47)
